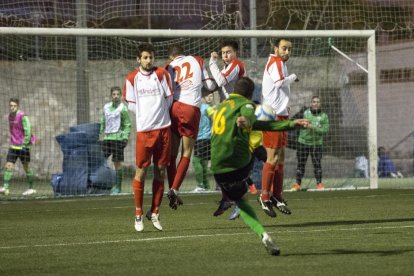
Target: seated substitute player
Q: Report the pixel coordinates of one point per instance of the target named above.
(115, 130)
(189, 75)
(20, 140)
(148, 93)
(231, 159)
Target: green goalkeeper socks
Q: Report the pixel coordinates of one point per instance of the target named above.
(7, 177)
(29, 177)
(118, 179)
(249, 217)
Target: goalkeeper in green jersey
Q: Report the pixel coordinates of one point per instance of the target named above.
(114, 132)
(231, 159)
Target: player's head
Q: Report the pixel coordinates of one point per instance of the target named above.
(283, 48)
(382, 151)
(229, 50)
(245, 87)
(175, 51)
(208, 98)
(145, 56)
(316, 103)
(14, 104)
(116, 94)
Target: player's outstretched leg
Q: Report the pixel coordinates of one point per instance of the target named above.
(271, 247)
(249, 217)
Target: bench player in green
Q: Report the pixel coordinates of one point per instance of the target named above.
(231, 159)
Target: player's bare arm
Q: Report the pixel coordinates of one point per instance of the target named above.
(302, 123)
(214, 55)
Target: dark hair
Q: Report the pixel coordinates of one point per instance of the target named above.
(230, 43)
(315, 97)
(277, 41)
(15, 100)
(245, 87)
(145, 47)
(115, 88)
(175, 50)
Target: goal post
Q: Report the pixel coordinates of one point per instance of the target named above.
(163, 38)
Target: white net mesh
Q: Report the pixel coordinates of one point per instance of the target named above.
(42, 71)
(47, 90)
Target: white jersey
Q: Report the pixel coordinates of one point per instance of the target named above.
(149, 96)
(276, 85)
(227, 78)
(112, 118)
(361, 163)
(189, 74)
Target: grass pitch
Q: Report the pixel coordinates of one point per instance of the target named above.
(363, 232)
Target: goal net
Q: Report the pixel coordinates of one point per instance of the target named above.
(63, 93)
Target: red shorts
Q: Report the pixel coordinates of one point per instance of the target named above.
(185, 119)
(155, 144)
(275, 139)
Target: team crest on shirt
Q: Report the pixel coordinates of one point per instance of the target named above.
(148, 92)
(186, 84)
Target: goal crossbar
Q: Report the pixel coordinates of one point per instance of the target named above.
(170, 33)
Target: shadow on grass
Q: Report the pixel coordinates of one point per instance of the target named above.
(342, 222)
(299, 225)
(355, 252)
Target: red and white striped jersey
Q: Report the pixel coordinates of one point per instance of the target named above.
(189, 74)
(149, 96)
(276, 85)
(226, 78)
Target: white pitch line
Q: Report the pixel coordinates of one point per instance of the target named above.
(199, 236)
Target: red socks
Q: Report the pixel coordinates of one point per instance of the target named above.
(268, 175)
(138, 188)
(171, 171)
(157, 193)
(278, 182)
(181, 172)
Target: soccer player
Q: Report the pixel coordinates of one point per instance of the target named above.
(310, 142)
(115, 130)
(21, 139)
(276, 93)
(233, 69)
(202, 148)
(231, 158)
(226, 78)
(258, 155)
(148, 93)
(189, 75)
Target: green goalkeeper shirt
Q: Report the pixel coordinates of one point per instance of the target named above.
(125, 125)
(229, 143)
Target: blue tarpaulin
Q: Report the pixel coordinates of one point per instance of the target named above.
(85, 169)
